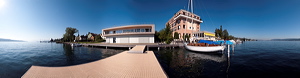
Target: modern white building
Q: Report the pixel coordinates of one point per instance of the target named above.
(130, 34)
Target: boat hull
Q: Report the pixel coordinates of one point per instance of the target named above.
(205, 49)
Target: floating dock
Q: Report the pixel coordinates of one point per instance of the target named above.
(130, 45)
(124, 64)
(137, 49)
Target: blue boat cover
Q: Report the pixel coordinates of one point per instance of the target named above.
(229, 42)
(226, 42)
(208, 42)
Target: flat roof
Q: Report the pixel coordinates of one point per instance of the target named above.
(131, 26)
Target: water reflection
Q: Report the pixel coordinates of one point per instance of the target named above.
(183, 63)
(217, 57)
(68, 49)
(69, 53)
(79, 55)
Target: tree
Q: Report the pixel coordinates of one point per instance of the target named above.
(51, 40)
(176, 35)
(218, 32)
(156, 37)
(225, 34)
(69, 35)
(186, 37)
(165, 34)
(98, 38)
(230, 37)
(222, 33)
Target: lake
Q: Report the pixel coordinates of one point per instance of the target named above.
(17, 57)
(253, 59)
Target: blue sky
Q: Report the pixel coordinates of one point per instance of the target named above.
(34, 20)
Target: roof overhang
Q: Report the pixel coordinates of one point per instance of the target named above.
(184, 16)
(131, 26)
(127, 34)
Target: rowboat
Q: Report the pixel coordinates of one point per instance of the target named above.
(204, 46)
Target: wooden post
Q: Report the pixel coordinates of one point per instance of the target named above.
(147, 48)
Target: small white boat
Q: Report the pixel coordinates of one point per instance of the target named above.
(204, 48)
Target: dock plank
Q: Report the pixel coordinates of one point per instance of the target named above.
(121, 65)
(137, 49)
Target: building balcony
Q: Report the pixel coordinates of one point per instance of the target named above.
(130, 33)
(144, 29)
(188, 17)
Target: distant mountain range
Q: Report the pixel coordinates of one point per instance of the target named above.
(9, 40)
(288, 39)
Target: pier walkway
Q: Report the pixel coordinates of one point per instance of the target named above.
(137, 49)
(124, 64)
(130, 45)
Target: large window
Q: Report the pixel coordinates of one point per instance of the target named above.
(106, 32)
(147, 30)
(142, 30)
(129, 31)
(178, 21)
(119, 31)
(137, 30)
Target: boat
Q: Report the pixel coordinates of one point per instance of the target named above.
(205, 46)
(227, 42)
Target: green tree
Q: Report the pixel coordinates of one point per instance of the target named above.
(219, 32)
(176, 35)
(165, 34)
(225, 34)
(186, 37)
(98, 38)
(69, 35)
(156, 37)
(230, 37)
(162, 35)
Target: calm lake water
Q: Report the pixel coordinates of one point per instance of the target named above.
(17, 57)
(255, 59)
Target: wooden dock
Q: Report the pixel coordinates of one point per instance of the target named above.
(130, 45)
(137, 49)
(142, 65)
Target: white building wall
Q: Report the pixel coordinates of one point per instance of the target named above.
(144, 40)
(123, 39)
(118, 40)
(132, 39)
(151, 39)
(111, 40)
(107, 39)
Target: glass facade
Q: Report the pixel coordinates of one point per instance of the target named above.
(128, 31)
